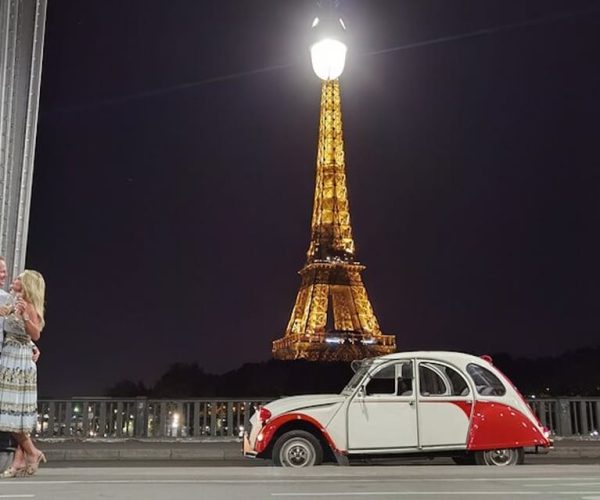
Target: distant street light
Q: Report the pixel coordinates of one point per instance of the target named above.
(328, 51)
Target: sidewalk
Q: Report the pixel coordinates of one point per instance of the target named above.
(141, 450)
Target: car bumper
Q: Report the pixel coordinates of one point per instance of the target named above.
(540, 450)
(247, 449)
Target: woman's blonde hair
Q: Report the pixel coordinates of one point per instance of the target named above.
(34, 291)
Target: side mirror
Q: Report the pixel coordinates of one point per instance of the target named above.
(407, 371)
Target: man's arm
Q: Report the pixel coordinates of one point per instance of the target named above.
(36, 353)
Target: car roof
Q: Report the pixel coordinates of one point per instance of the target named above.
(441, 355)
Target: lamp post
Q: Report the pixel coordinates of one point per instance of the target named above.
(22, 24)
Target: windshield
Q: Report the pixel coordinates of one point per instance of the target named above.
(360, 371)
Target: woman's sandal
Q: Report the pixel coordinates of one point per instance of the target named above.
(32, 468)
(14, 472)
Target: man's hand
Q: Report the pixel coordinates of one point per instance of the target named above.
(5, 310)
(36, 353)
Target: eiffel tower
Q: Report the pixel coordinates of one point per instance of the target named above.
(332, 319)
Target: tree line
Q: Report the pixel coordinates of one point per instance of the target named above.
(574, 373)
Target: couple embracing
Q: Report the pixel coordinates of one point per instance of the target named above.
(22, 320)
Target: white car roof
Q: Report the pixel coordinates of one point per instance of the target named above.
(441, 355)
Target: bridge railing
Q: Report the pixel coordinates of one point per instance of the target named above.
(89, 418)
(144, 418)
(568, 416)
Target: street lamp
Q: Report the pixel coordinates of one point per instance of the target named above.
(328, 51)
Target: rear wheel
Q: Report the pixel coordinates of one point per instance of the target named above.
(500, 457)
(297, 449)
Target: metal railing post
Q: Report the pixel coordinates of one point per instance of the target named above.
(197, 432)
(583, 418)
(564, 417)
(213, 418)
(140, 417)
(247, 406)
(51, 417)
(163, 427)
(68, 418)
(102, 419)
(85, 418)
(230, 418)
(119, 429)
(181, 420)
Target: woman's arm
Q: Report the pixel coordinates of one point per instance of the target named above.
(32, 322)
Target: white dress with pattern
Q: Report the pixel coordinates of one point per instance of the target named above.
(18, 379)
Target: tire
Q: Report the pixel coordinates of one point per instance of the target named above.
(464, 459)
(501, 457)
(6, 458)
(297, 449)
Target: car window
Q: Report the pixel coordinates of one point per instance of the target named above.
(389, 381)
(361, 370)
(437, 379)
(486, 382)
(382, 382)
(404, 378)
(430, 381)
(458, 383)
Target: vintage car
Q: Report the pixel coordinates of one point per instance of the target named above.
(403, 404)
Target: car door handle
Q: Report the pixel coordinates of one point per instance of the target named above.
(411, 402)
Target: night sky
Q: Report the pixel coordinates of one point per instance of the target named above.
(175, 165)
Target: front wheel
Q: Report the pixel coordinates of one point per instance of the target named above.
(297, 449)
(500, 457)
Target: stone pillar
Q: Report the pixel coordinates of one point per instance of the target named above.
(21, 44)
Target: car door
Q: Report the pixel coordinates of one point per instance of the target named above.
(445, 404)
(382, 415)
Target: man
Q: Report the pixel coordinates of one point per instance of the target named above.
(3, 272)
(7, 445)
(4, 295)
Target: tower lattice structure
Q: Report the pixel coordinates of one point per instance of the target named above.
(332, 319)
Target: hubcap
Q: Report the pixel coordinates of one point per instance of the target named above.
(298, 454)
(501, 457)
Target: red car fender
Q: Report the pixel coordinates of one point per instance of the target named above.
(271, 426)
(496, 425)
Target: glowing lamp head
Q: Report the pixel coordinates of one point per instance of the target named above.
(328, 58)
(328, 51)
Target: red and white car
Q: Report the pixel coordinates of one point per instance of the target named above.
(403, 404)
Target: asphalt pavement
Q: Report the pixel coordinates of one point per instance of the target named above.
(569, 482)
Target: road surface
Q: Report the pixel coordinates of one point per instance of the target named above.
(581, 482)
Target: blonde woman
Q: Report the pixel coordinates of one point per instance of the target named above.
(23, 323)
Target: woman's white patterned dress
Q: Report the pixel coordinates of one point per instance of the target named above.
(18, 379)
